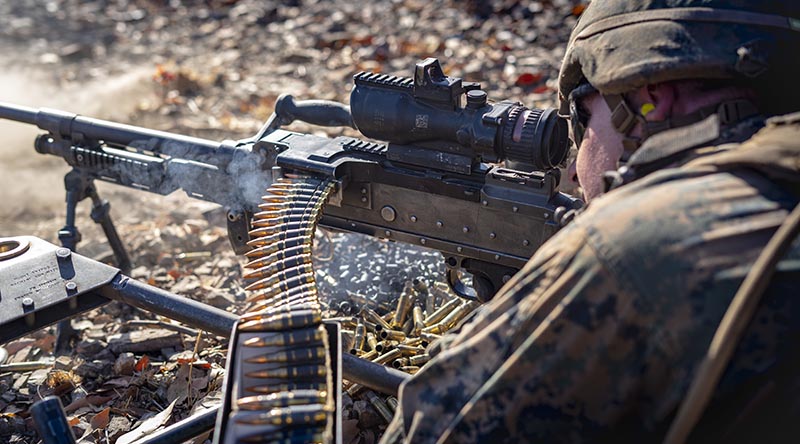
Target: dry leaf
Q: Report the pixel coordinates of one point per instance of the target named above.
(101, 420)
(147, 427)
(142, 363)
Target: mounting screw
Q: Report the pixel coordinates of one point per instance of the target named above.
(465, 229)
(71, 286)
(387, 233)
(364, 199)
(506, 278)
(439, 223)
(485, 203)
(515, 209)
(413, 218)
(497, 257)
(492, 235)
(27, 303)
(363, 191)
(459, 249)
(422, 241)
(388, 213)
(63, 253)
(546, 215)
(526, 242)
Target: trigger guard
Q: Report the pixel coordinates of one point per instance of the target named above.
(459, 288)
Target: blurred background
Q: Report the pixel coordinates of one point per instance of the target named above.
(214, 69)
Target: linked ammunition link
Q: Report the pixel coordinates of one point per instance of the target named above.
(280, 359)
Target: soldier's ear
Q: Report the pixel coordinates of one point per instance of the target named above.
(658, 101)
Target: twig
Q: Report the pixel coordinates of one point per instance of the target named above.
(195, 355)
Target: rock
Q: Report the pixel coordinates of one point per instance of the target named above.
(144, 341)
(118, 426)
(125, 363)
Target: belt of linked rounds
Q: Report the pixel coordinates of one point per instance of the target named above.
(283, 388)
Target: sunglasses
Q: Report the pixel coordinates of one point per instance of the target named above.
(578, 117)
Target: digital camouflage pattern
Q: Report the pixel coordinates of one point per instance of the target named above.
(598, 337)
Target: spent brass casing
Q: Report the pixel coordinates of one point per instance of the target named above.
(286, 387)
(408, 326)
(304, 233)
(385, 345)
(392, 335)
(284, 285)
(400, 362)
(272, 274)
(280, 255)
(294, 415)
(296, 356)
(403, 306)
(305, 437)
(370, 355)
(281, 339)
(412, 369)
(291, 372)
(419, 359)
(459, 313)
(436, 329)
(353, 389)
(283, 399)
(441, 312)
(360, 336)
(387, 357)
(380, 406)
(410, 350)
(370, 315)
(418, 319)
(413, 342)
(298, 319)
(429, 337)
(372, 341)
(266, 250)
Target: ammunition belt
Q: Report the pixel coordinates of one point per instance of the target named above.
(279, 361)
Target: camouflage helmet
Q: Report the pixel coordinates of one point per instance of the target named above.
(621, 45)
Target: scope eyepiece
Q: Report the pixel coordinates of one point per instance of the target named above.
(427, 111)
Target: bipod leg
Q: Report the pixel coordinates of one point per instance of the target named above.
(76, 185)
(101, 214)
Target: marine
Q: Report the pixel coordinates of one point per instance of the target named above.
(685, 115)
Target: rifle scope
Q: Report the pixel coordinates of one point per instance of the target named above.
(427, 111)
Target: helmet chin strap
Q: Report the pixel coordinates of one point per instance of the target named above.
(624, 119)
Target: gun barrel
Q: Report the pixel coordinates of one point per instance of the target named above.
(18, 113)
(71, 126)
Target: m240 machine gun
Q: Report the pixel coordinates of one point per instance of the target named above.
(435, 181)
(475, 180)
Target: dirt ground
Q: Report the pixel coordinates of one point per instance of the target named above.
(213, 69)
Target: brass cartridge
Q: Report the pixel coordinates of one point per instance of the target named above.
(429, 337)
(279, 255)
(419, 359)
(419, 320)
(301, 318)
(412, 369)
(403, 306)
(358, 342)
(400, 362)
(291, 372)
(284, 399)
(372, 341)
(387, 357)
(299, 414)
(281, 339)
(459, 313)
(392, 335)
(271, 274)
(294, 356)
(370, 315)
(409, 350)
(380, 406)
(286, 387)
(441, 312)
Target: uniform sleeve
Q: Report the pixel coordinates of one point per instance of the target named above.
(550, 356)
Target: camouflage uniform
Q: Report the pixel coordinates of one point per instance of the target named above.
(598, 337)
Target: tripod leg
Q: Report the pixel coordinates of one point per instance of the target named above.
(69, 237)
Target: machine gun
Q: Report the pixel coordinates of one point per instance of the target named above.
(436, 179)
